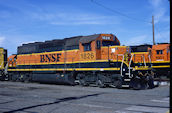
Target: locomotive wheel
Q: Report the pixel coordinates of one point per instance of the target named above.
(2, 76)
(144, 85)
(140, 84)
(118, 84)
(151, 82)
(117, 81)
(136, 84)
(100, 84)
(27, 78)
(82, 82)
(14, 78)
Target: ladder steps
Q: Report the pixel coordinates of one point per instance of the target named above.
(127, 80)
(125, 85)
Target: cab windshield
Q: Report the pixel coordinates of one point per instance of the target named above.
(108, 43)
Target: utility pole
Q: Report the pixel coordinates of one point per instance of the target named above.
(153, 30)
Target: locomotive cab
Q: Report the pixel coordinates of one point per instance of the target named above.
(95, 47)
(109, 61)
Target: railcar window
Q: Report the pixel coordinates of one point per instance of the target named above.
(158, 52)
(87, 47)
(108, 43)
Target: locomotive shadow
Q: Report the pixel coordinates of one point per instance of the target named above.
(56, 102)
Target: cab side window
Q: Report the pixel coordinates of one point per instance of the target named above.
(87, 47)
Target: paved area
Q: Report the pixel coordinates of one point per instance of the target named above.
(16, 97)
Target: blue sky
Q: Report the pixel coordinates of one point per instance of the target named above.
(25, 21)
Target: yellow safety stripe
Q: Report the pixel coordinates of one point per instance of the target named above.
(153, 62)
(68, 69)
(160, 61)
(139, 52)
(164, 66)
(91, 61)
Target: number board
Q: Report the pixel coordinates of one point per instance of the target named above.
(87, 56)
(159, 57)
(106, 37)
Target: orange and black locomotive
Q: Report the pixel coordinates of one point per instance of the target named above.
(158, 56)
(95, 59)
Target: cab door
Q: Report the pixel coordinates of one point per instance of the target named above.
(98, 49)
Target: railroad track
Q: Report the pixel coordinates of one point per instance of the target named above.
(162, 79)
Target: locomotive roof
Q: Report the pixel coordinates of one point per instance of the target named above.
(67, 41)
(87, 39)
(72, 41)
(162, 43)
(56, 44)
(141, 45)
(140, 48)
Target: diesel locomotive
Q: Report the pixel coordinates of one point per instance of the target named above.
(3, 62)
(95, 59)
(158, 55)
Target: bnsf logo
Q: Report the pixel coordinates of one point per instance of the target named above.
(50, 57)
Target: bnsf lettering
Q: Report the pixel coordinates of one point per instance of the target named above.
(50, 58)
